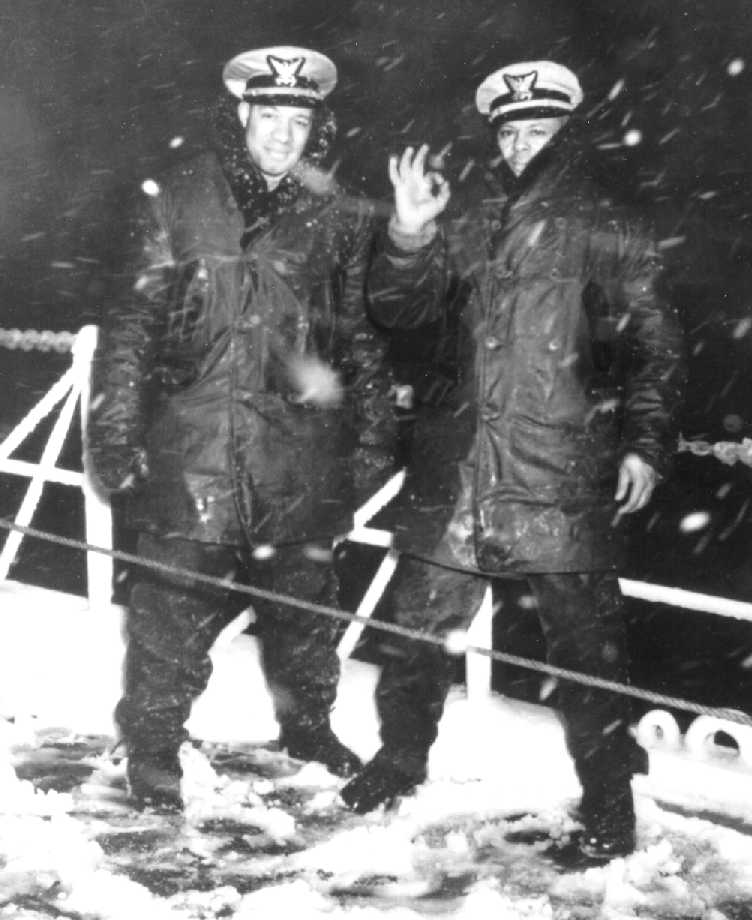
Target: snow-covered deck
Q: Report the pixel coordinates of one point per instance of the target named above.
(269, 844)
(61, 662)
(272, 844)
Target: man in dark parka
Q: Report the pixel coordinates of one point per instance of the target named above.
(241, 405)
(561, 422)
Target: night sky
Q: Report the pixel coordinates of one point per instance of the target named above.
(95, 97)
(92, 93)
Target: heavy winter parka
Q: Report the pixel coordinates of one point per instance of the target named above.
(192, 393)
(568, 358)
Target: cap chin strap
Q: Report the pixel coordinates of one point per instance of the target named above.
(524, 114)
(272, 98)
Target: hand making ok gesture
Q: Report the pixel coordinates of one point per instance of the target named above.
(420, 194)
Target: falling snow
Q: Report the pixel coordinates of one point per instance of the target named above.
(99, 98)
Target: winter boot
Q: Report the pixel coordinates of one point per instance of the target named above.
(381, 781)
(321, 745)
(154, 779)
(608, 816)
(606, 809)
(608, 820)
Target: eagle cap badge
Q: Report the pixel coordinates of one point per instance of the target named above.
(285, 71)
(521, 86)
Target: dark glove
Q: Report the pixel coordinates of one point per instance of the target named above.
(380, 782)
(118, 467)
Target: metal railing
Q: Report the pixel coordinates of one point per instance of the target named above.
(72, 390)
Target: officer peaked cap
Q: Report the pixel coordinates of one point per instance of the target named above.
(531, 89)
(280, 75)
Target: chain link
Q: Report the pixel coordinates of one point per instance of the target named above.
(36, 340)
(728, 452)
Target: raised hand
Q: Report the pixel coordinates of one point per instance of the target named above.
(420, 195)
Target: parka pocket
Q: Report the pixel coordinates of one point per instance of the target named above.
(188, 307)
(596, 444)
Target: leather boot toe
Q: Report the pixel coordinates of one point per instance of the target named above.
(322, 746)
(380, 782)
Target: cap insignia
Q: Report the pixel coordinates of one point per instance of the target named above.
(285, 72)
(521, 87)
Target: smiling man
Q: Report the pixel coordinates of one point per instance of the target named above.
(241, 409)
(560, 424)
(276, 137)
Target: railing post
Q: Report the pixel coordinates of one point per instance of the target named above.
(373, 537)
(368, 604)
(478, 667)
(97, 510)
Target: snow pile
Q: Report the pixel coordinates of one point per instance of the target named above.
(211, 797)
(46, 857)
(264, 837)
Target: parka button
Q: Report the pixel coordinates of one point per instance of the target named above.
(492, 343)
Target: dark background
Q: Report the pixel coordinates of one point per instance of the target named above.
(95, 97)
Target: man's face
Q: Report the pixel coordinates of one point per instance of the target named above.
(275, 136)
(519, 141)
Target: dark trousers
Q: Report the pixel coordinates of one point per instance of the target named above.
(172, 622)
(584, 628)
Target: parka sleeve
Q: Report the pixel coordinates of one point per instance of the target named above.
(123, 367)
(408, 279)
(356, 253)
(364, 363)
(631, 273)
